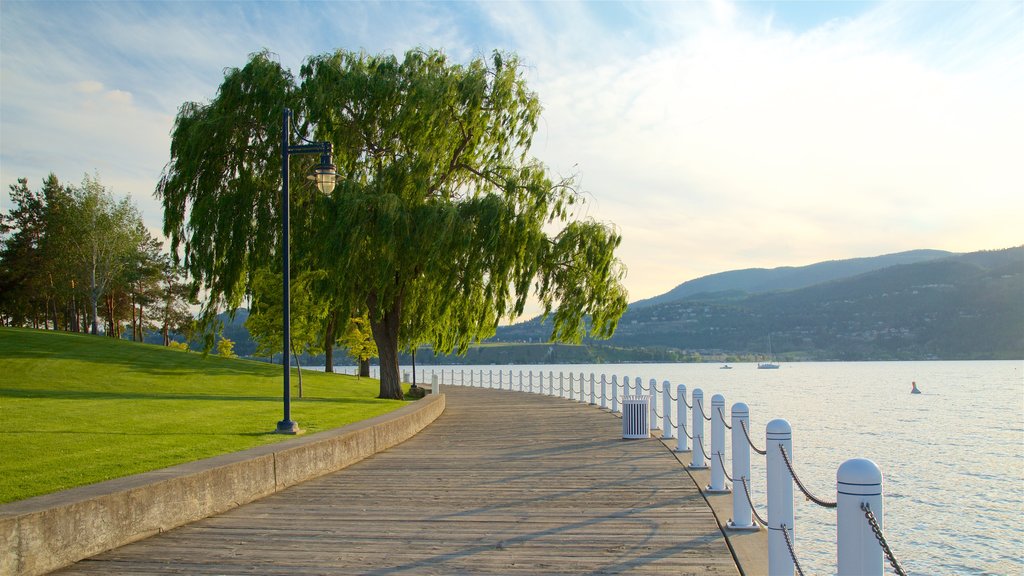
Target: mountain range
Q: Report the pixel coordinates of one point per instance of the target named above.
(923, 304)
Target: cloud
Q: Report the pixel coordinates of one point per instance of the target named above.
(714, 135)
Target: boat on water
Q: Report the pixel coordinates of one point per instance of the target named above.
(771, 364)
(725, 367)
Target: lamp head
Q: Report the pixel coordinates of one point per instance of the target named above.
(325, 174)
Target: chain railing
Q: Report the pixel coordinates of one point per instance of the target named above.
(753, 509)
(811, 497)
(727, 426)
(743, 425)
(877, 530)
(792, 552)
(852, 549)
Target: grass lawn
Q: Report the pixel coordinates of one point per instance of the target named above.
(80, 409)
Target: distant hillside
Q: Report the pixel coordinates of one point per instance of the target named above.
(758, 280)
(968, 306)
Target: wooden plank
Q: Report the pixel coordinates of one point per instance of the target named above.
(502, 483)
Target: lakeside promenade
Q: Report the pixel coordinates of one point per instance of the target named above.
(501, 483)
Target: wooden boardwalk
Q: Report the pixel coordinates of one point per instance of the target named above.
(501, 483)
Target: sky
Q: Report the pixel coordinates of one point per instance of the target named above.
(714, 135)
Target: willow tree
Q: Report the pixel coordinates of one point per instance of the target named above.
(441, 224)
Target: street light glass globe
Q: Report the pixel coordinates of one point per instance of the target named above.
(326, 178)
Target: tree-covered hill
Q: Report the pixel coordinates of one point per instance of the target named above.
(968, 306)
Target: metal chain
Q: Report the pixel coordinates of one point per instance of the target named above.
(688, 405)
(723, 419)
(683, 426)
(722, 461)
(811, 497)
(749, 441)
(753, 510)
(789, 544)
(881, 539)
(701, 406)
(671, 397)
(700, 440)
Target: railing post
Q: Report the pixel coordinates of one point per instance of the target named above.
(717, 446)
(604, 391)
(741, 512)
(625, 386)
(666, 419)
(592, 399)
(561, 384)
(435, 386)
(681, 418)
(639, 386)
(858, 481)
(520, 380)
(581, 389)
(551, 382)
(655, 424)
(697, 431)
(529, 378)
(615, 394)
(780, 497)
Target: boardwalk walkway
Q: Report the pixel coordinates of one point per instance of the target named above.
(501, 483)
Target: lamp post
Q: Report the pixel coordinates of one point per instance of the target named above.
(325, 176)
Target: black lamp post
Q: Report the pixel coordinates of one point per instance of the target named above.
(325, 176)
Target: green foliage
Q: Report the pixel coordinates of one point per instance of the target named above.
(175, 345)
(358, 339)
(308, 314)
(439, 226)
(79, 410)
(226, 348)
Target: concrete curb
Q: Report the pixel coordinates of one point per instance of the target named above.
(42, 534)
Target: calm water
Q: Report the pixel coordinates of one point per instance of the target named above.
(952, 457)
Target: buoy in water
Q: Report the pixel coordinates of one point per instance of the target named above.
(913, 389)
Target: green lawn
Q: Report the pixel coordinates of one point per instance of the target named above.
(80, 409)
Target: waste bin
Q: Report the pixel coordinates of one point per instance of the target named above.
(635, 420)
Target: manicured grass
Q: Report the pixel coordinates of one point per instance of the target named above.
(80, 409)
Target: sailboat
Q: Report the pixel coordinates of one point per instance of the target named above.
(771, 364)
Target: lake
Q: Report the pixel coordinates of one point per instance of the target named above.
(952, 457)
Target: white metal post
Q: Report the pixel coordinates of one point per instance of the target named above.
(592, 399)
(780, 497)
(717, 446)
(681, 418)
(741, 512)
(697, 431)
(582, 400)
(604, 391)
(615, 393)
(666, 419)
(858, 552)
(435, 386)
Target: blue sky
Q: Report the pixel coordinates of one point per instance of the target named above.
(716, 136)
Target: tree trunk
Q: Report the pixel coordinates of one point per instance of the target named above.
(134, 329)
(364, 367)
(385, 334)
(298, 369)
(329, 343)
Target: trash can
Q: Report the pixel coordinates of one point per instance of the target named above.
(635, 420)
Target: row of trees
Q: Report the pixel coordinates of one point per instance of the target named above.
(73, 254)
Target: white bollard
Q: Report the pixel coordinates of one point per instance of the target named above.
(604, 391)
(639, 386)
(655, 423)
(529, 378)
(625, 386)
(741, 512)
(666, 419)
(520, 380)
(551, 383)
(681, 418)
(582, 400)
(697, 431)
(561, 384)
(615, 394)
(780, 497)
(857, 549)
(717, 485)
(435, 386)
(593, 383)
